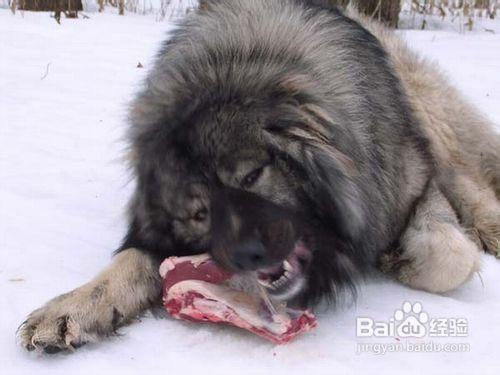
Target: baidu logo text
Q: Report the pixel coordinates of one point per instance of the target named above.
(411, 321)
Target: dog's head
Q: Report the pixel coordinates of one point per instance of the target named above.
(265, 183)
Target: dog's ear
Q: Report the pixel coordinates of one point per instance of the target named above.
(333, 191)
(161, 170)
(330, 174)
(149, 229)
(145, 234)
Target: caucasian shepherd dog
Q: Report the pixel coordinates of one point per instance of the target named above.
(273, 130)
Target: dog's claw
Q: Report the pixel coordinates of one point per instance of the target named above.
(52, 349)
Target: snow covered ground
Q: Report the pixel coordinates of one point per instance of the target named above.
(63, 188)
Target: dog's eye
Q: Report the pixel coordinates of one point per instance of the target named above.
(252, 177)
(201, 215)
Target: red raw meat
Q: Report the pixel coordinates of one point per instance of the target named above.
(196, 289)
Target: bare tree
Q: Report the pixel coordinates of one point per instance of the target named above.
(51, 5)
(203, 4)
(386, 11)
(13, 6)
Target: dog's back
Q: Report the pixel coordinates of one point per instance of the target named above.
(464, 144)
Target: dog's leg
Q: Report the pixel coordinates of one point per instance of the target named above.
(127, 287)
(478, 208)
(435, 253)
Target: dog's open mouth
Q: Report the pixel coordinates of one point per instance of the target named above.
(195, 288)
(286, 280)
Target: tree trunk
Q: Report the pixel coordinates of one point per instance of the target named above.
(121, 7)
(50, 5)
(203, 4)
(13, 6)
(386, 11)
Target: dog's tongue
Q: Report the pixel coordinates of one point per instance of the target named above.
(196, 289)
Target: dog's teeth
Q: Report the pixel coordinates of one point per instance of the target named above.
(264, 283)
(287, 266)
(282, 280)
(287, 274)
(267, 284)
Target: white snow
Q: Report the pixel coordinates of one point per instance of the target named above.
(63, 95)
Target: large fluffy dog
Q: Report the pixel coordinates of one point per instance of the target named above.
(273, 130)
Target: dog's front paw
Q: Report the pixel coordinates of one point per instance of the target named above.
(128, 287)
(50, 333)
(69, 321)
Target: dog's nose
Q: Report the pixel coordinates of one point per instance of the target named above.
(249, 255)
